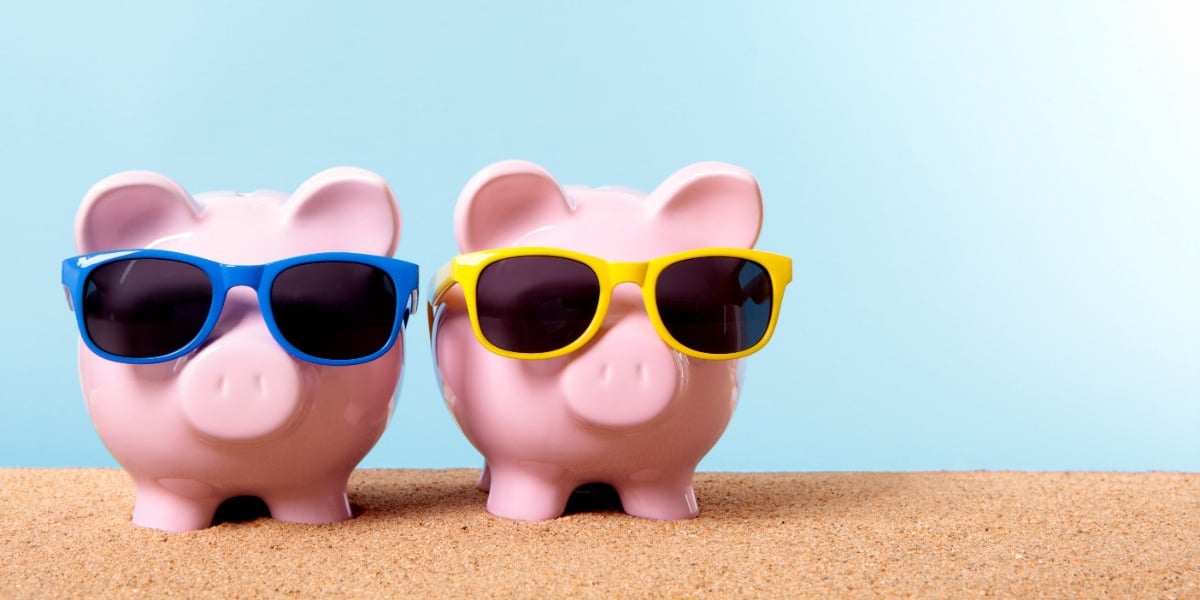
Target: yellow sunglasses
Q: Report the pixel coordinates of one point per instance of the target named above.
(535, 303)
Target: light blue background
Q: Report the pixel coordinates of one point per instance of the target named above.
(993, 208)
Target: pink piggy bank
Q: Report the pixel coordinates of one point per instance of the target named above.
(594, 335)
(239, 344)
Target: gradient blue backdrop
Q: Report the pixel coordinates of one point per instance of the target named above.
(993, 207)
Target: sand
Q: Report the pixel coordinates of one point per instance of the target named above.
(425, 533)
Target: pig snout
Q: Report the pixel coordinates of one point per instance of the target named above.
(623, 378)
(240, 388)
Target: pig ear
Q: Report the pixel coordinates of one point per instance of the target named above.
(349, 209)
(720, 202)
(504, 202)
(132, 210)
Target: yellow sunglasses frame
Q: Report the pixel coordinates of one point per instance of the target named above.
(464, 270)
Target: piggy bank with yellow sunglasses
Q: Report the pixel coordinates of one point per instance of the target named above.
(595, 335)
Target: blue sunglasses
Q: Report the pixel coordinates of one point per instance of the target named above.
(151, 306)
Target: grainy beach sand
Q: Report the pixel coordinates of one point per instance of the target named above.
(425, 533)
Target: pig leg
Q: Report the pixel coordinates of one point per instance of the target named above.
(174, 504)
(485, 479)
(528, 491)
(666, 498)
(322, 502)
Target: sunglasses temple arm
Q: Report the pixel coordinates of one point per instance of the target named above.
(70, 277)
(70, 304)
(438, 284)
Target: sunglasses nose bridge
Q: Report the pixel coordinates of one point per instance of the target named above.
(236, 305)
(242, 275)
(634, 273)
(625, 281)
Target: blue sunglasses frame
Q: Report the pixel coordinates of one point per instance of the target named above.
(224, 277)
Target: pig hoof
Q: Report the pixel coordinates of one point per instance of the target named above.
(485, 480)
(313, 509)
(155, 508)
(664, 504)
(527, 499)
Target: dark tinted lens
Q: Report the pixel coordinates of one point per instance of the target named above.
(147, 307)
(716, 304)
(334, 310)
(536, 303)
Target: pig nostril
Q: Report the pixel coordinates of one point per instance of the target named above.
(605, 373)
(641, 372)
(258, 384)
(222, 385)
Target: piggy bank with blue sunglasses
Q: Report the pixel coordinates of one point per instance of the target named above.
(596, 335)
(239, 344)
